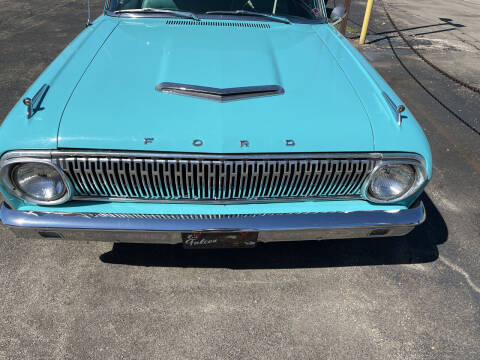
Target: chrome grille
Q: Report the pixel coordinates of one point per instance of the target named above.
(161, 177)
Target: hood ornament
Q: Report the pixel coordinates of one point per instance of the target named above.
(218, 94)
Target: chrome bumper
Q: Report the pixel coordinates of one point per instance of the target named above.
(167, 229)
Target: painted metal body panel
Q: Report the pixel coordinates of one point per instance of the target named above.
(102, 96)
(222, 57)
(204, 209)
(62, 75)
(408, 137)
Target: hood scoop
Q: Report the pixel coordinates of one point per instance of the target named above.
(219, 23)
(217, 94)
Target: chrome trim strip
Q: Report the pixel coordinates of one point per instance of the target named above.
(217, 94)
(271, 17)
(175, 13)
(265, 222)
(323, 7)
(215, 202)
(49, 154)
(211, 17)
(37, 154)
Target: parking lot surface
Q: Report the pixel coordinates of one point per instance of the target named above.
(416, 297)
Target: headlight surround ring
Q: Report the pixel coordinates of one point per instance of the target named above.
(6, 177)
(419, 179)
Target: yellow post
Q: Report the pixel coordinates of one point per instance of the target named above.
(366, 20)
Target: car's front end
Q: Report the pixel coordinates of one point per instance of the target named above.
(226, 128)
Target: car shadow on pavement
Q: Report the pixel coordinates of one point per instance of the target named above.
(420, 246)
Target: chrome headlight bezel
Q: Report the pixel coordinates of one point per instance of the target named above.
(7, 166)
(421, 177)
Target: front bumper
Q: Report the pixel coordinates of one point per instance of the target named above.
(167, 229)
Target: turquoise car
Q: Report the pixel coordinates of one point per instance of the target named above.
(213, 124)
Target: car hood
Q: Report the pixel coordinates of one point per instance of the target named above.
(116, 106)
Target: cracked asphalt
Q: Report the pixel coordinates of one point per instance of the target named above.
(416, 297)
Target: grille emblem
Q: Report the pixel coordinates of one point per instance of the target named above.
(244, 143)
(148, 140)
(197, 142)
(290, 142)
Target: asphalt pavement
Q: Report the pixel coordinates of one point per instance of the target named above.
(416, 297)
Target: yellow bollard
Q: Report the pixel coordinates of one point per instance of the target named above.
(366, 20)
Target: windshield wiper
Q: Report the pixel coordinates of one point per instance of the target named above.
(250, 13)
(183, 14)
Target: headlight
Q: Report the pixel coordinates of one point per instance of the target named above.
(40, 181)
(395, 181)
(36, 181)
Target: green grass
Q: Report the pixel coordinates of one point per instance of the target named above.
(351, 30)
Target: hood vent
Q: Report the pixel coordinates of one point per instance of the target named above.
(218, 23)
(217, 94)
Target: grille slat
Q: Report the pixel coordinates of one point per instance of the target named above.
(80, 181)
(324, 178)
(173, 178)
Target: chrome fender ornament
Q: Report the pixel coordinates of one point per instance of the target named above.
(33, 104)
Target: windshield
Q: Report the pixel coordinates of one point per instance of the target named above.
(307, 9)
